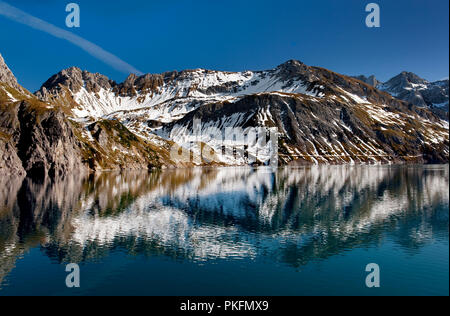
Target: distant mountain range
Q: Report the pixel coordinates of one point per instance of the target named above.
(81, 120)
(411, 88)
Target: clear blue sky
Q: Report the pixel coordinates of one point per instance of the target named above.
(157, 36)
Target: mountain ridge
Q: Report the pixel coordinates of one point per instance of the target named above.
(153, 104)
(320, 117)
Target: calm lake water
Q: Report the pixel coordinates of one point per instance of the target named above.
(229, 231)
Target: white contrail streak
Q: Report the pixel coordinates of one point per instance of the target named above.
(22, 17)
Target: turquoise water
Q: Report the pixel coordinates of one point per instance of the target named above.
(229, 231)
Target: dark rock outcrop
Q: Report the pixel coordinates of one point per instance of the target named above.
(47, 144)
(41, 139)
(10, 164)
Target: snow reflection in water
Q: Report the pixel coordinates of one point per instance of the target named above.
(291, 216)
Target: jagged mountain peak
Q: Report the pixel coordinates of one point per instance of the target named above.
(131, 78)
(95, 95)
(190, 86)
(7, 77)
(409, 87)
(74, 79)
(292, 68)
(291, 63)
(403, 79)
(406, 77)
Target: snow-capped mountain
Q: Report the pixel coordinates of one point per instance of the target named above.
(411, 88)
(97, 96)
(320, 116)
(78, 118)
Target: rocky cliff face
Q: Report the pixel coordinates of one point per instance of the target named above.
(40, 141)
(10, 163)
(7, 77)
(46, 144)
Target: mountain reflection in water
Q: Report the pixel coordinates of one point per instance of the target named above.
(289, 216)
